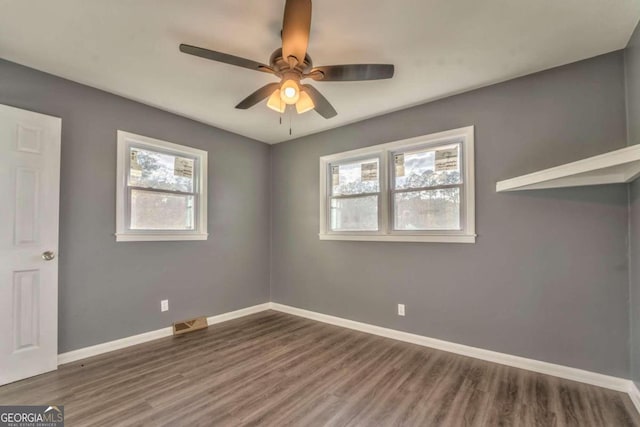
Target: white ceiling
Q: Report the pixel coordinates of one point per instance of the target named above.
(439, 47)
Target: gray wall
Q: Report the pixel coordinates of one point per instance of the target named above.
(634, 279)
(632, 73)
(547, 278)
(111, 290)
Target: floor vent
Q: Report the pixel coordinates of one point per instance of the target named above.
(191, 325)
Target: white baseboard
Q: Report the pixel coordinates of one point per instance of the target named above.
(106, 347)
(219, 318)
(574, 374)
(634, 394)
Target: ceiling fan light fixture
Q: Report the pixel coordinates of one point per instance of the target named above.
(305, 103)
(291, 64)
(275, 102)
(290, 92)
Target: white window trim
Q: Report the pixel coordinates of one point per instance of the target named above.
(125, 140)
(468, 233)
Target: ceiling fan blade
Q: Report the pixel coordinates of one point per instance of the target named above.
(353, 72)
(322, 106)
(257, 96)
(295, 29)
(224, 58)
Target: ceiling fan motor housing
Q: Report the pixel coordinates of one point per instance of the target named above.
(281, 66)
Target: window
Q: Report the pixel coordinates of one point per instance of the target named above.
(355, 195)
(162, 190)
(417, 190)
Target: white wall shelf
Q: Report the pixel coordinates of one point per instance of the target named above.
(616, 167)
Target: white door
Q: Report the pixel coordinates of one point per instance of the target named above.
(29, 199)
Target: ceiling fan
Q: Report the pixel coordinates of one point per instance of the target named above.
(292, 64)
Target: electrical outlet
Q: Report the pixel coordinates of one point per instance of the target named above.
(400, 309)
(164, 305)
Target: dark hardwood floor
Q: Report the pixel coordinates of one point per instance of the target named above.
(274, 369)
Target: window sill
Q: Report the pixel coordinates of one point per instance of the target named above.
(458, 238)
(132, 237)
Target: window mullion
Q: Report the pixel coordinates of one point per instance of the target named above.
(352, 196)
(159, 190)
(383, 210)
(435, 187)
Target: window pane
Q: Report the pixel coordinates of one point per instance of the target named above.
(355, 177)
(427, 210)
(427, 168)
(354, 214)
(160, 171)
(161, 211)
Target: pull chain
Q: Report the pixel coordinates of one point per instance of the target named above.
(289, 114)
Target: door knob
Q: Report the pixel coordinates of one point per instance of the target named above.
(48, 255)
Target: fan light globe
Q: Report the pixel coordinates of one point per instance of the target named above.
(275, 103)
(305, 103)
(289, 92)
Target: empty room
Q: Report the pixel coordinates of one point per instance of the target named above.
(319, 213)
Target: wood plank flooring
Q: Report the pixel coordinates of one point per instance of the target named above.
(274, 369)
